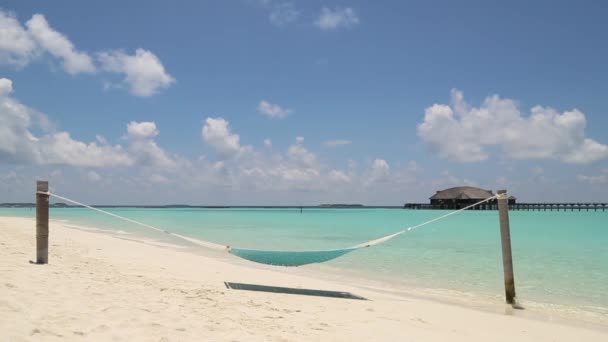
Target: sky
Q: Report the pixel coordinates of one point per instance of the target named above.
(271, 102)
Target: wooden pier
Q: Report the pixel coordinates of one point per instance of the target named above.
(524, 206)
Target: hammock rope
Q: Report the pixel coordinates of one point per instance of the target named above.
(271, 257)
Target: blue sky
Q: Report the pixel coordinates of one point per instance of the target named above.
(303, 102)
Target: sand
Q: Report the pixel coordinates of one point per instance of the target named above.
(103, 287)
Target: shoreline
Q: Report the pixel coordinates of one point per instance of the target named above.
(135, 282)
(541, 311)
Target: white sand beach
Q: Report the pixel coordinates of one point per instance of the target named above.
(100, 287)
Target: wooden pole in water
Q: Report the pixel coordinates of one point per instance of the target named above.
(505, 238)
(42, 222)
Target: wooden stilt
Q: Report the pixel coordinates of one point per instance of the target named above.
(505, 238)
(42, 222)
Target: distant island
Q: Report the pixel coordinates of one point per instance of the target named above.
(341, 206)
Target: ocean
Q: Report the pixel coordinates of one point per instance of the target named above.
(560, 258)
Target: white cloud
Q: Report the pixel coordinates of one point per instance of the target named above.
(601, 178)
(301, 156)
(273, 111)
(19, 45)
(296, 170)
(338, 176)
(380, 171)
(216, 132)
(6, 86)
(267, 142)
(461, 132)
(280, 176)
(16, 45)
(101, 139)
(60, 148)
(337, 18)
(58, 45)
(144, 72)
(337, 142)
(283, 13)
(144, 149)
(18, 144)
(298, 175)
(267, 170)
(93, 176)
(142, 130)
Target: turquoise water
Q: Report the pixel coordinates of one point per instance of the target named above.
(560, 258)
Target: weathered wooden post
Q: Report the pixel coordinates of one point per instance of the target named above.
(505, 238)
(42, 222)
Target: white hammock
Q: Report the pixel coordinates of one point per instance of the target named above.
(277, 258)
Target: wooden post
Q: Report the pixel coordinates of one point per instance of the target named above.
(42, 222)
(505, 238)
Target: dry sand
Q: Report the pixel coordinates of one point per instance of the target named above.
(100, 287)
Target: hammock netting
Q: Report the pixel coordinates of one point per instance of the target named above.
(289, 258)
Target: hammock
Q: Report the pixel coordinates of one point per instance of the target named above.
(272, 257)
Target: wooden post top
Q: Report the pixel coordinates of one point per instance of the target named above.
(42, 186)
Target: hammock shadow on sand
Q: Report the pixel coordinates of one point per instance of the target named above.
(292, 290)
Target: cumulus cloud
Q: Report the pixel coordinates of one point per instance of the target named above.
(17, 47)
(6, 86)
(216, 132)
(18, 143)
(300, 155)
(144, 73)
(294, 169)
(144, 149)
(141, 130)
(380, 170)
(280, 173)
(337, 18)
(58, 45)
(273, 111)
(60, 148)
(337, 142)
(462, 133)
(267, 142)
(19, 44)
(282, 14)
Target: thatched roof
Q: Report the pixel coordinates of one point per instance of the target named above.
(462, 192)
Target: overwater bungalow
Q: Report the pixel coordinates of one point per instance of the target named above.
(462, 196)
